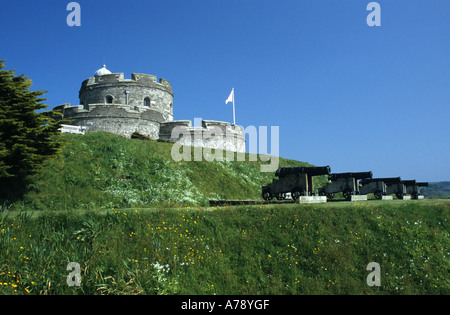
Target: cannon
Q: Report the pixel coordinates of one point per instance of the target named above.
(357, 175)
(377, 186)
(421, 184)
(413, 188)
(312, 171)
(396, 187)
(296, 180)
(347, 183)
(410, 187)
(387, 180)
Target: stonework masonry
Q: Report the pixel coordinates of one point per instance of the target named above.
(144, 104)
(209, 134)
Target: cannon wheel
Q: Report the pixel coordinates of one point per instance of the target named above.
(347, 194)
(377, 194)
(296, 193)
(267, 195)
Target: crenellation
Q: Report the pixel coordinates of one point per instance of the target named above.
(142, 77)
(210, 133)
(165, 83)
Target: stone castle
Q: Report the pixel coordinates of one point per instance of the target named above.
(144, 104)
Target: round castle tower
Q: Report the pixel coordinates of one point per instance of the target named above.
(122, 106)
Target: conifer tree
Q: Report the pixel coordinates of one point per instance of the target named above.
(27, 137)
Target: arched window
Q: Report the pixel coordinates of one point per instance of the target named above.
(147, 102)
(109, 99)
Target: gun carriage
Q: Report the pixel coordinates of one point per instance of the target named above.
(347, 183)
(296, 180)
(377, 186)
(396, 187)
(413, 188)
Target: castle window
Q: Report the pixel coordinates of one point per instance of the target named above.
(147, 102)
(109, 99)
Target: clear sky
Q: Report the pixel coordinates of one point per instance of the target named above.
(343, 94)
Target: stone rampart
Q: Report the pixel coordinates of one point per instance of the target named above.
(118, 119)
(210, 134)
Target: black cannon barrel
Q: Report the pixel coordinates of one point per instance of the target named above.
(313, 171)
(411, 182)
(357, 175)
(422, 184)
(386, 180)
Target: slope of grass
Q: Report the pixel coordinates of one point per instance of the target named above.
(102, 170)
(271, 249)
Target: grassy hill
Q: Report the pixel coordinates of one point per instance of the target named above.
(436, 190)
(102, 170)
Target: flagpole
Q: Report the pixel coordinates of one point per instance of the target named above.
(234, 116)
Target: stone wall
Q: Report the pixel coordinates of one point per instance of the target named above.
(113, 88)
(210, 134)
(118, 119)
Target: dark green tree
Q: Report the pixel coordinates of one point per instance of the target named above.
(27, 137)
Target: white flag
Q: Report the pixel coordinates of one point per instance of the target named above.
(231, 97)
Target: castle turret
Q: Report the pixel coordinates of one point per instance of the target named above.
(141, 91)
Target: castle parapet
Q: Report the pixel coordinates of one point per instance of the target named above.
(67, 109)
(62, 106)
(142, 79)
(210, 134)
(109, 78)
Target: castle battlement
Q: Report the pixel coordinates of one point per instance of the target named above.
(211, 134)
(206, 125)
(141, 79)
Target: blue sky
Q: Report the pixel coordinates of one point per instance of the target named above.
(343, 94)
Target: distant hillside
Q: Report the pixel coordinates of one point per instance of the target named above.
(436, 190)
(102, 170)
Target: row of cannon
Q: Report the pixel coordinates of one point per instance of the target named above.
(299, 181)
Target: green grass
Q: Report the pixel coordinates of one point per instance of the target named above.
(272, 249)
(138, 223)
(102, 170)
